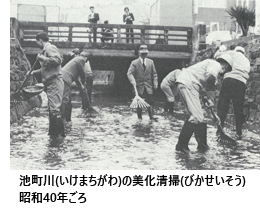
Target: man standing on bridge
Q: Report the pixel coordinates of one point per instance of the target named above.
(143, 75)
(93, 18)
(128, 18)
(73, 71)
(50, 71)
(193, 82)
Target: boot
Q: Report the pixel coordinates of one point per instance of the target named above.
(184, 137)
(151, 112)
(201, 136)
(63, 110)
(68, 113)
(85, 99)
(171, 106)
(52, 123)
(139, 113)
(166, 106)
(60, 126)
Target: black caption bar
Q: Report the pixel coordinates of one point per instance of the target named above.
(132, 180)
(52, 196)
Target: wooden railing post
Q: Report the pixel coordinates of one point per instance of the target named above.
(70, 34)
(202, 36)
(166, 36)
(119, 40)
(195, 44)
(189, 39)
(142, 38)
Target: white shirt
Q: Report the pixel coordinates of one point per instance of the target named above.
(241, 67)
(87, 69)
(195, 75)
(143, 61)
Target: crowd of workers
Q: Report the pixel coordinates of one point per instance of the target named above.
(189, 83)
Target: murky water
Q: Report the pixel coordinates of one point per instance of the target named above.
(116, 140)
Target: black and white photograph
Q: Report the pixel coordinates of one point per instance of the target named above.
(134, 85)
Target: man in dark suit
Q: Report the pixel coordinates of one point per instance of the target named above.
(93, 18)
(143, 75)
(128, 18)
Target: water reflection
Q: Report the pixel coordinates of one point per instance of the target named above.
(115, 139)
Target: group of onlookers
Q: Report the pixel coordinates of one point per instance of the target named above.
(107, 32)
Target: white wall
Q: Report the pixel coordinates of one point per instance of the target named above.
(77, 11)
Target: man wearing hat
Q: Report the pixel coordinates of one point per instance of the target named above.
(93, 18)
(234, 88)
(73, 71)
(191, 83)
(143, 75)
(50, 71)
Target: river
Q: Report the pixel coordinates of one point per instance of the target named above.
(115, 139)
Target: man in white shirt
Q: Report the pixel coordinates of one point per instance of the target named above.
(234, 87)
(193, 82)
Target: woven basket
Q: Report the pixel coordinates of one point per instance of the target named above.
(33, 90)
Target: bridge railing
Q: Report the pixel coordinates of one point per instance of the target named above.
(179, 37)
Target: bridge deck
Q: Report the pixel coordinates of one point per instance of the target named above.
(162, 41)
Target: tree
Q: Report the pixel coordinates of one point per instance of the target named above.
(244, 17)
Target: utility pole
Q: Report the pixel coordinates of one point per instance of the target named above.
(257, 17)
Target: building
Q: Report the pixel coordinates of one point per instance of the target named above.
(171, 13)
(219, 25)
(212, 13)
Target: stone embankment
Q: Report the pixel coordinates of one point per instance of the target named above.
(252, 98)
(19, 66)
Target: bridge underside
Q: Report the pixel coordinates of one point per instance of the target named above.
(115, 49)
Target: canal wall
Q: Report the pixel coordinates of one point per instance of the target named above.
(19, 66)
(252, 98)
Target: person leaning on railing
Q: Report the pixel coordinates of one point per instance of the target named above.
(128, 18)
(107, 33)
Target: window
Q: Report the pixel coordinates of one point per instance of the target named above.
(212, 3)
(242, 3)
(214, 26)
(222, 26)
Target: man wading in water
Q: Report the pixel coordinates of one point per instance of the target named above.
(169, 87)
(143, 75)
(193, 82)
(234, 88)
(50, 71)
(74, 71)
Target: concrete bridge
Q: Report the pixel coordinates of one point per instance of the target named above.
(170, 47)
